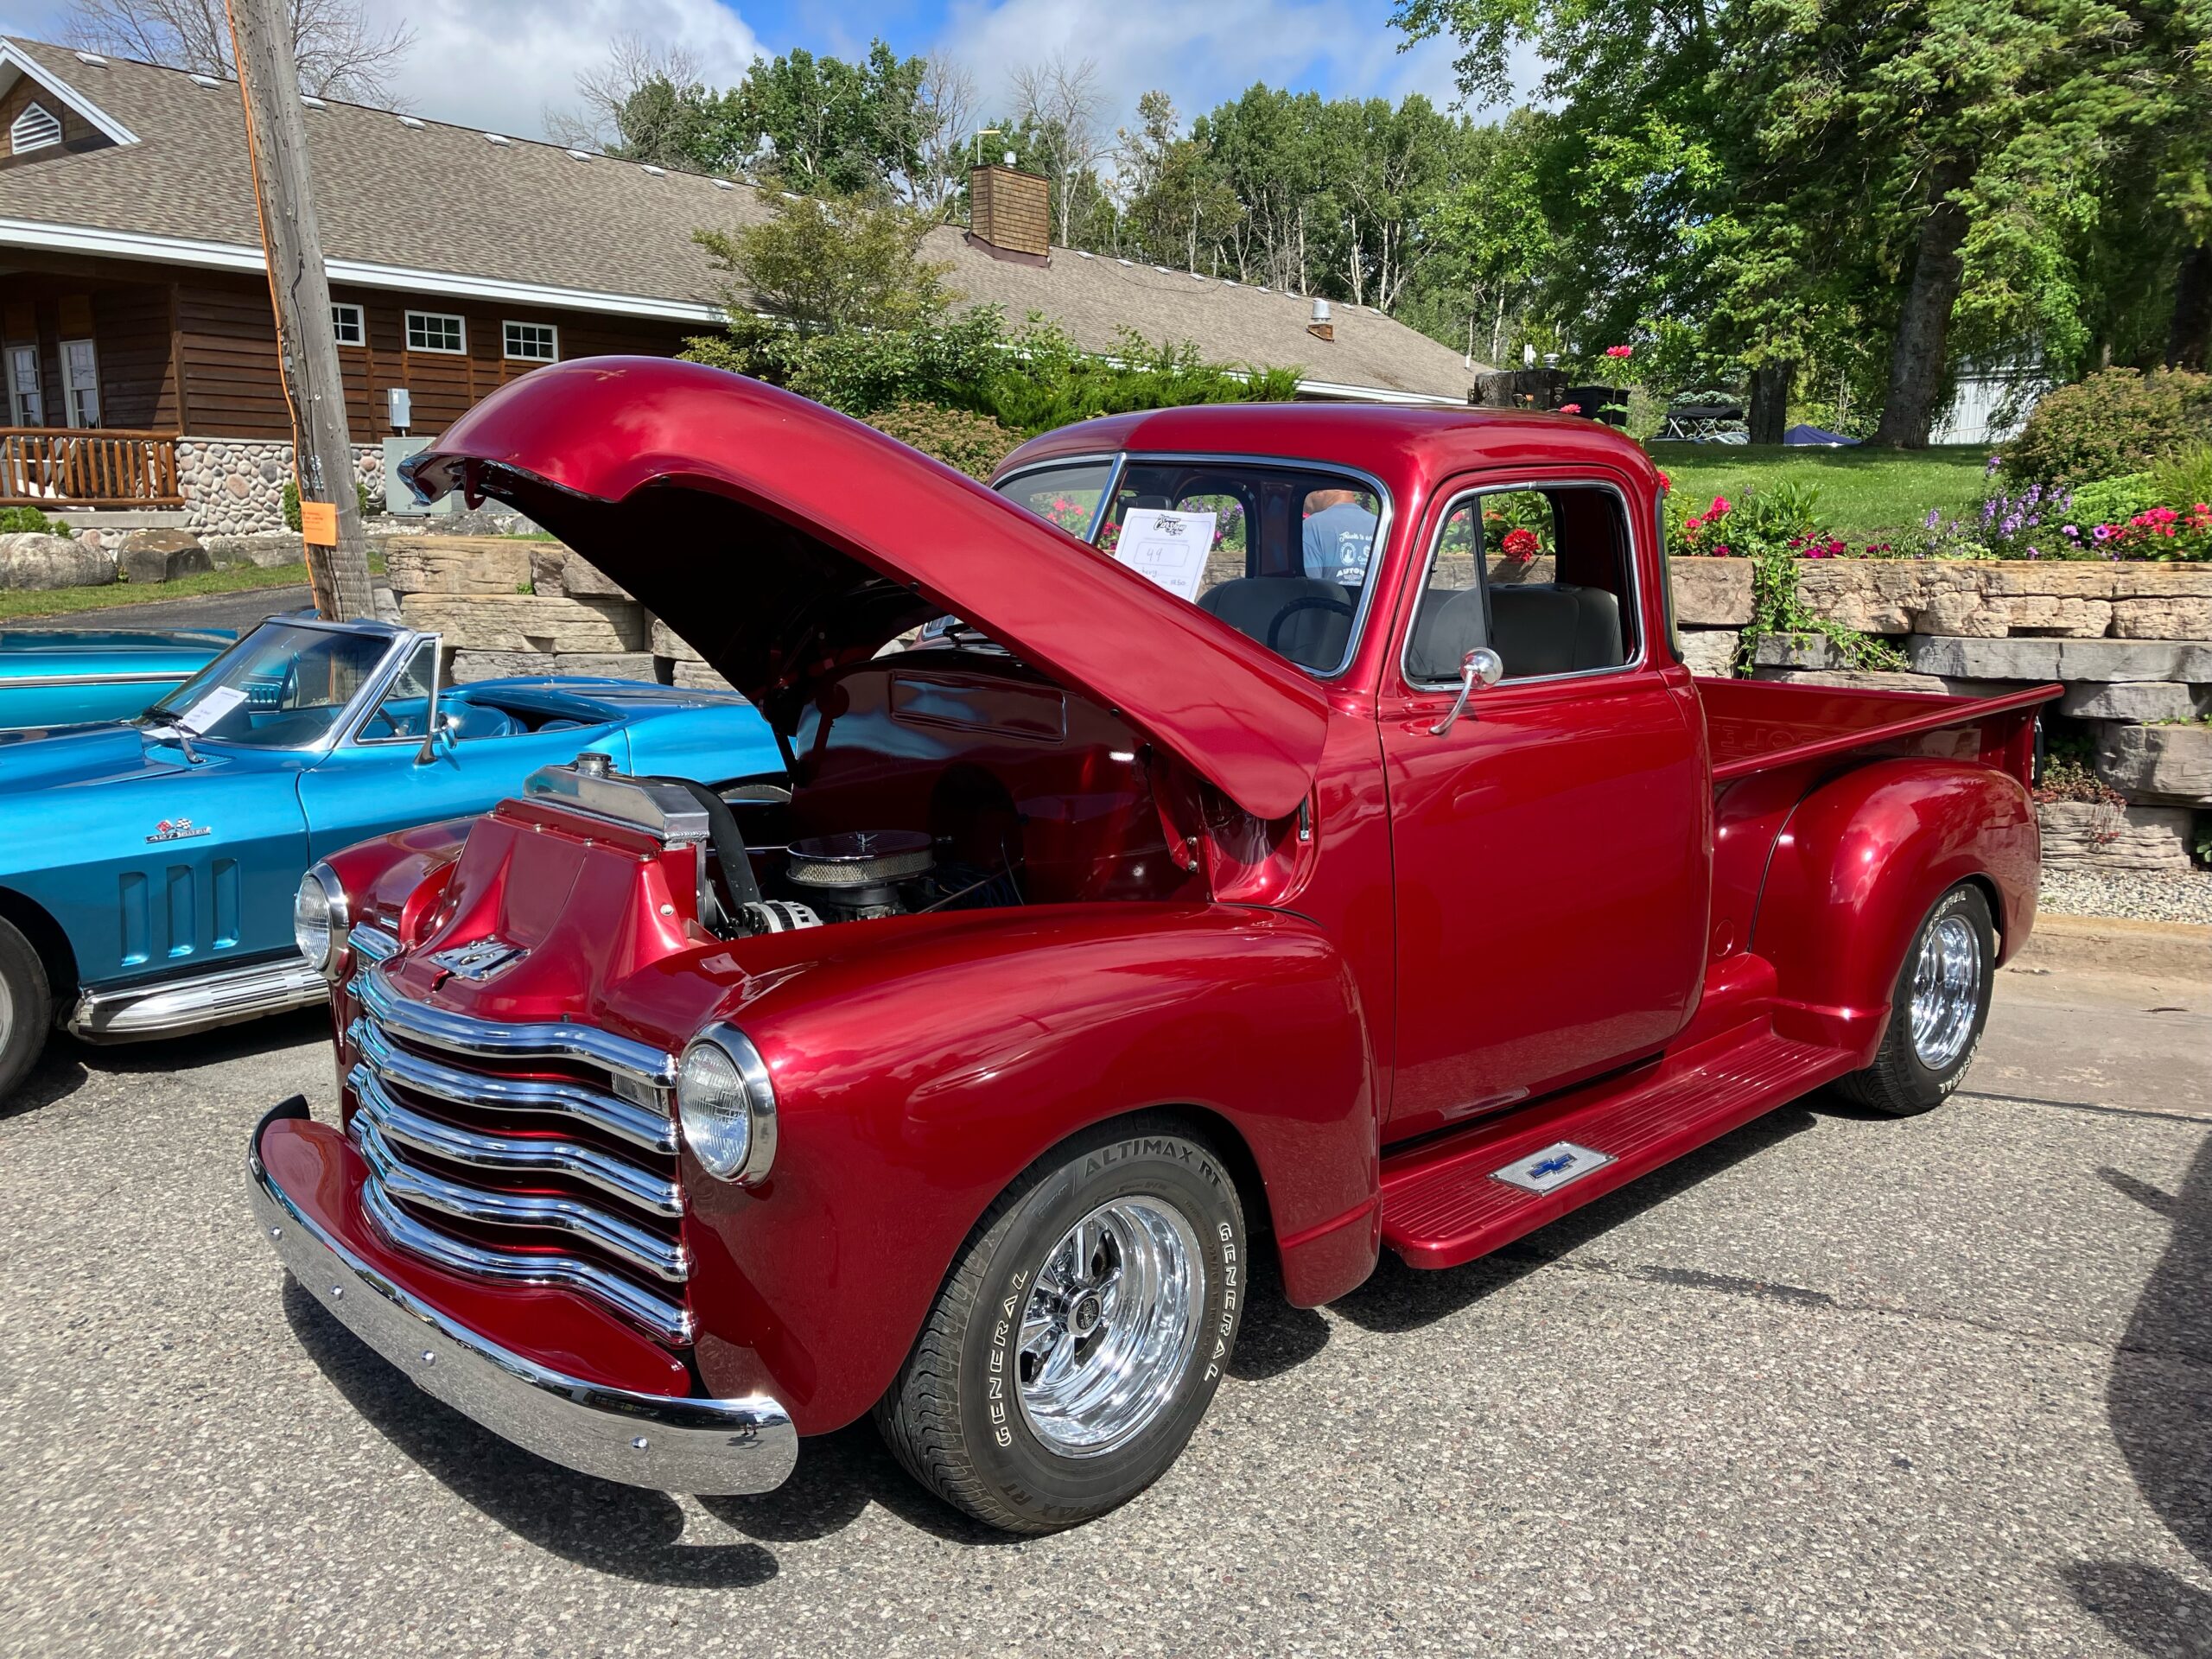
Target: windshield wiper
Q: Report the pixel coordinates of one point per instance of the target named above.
(176, 729)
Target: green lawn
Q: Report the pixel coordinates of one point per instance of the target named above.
(236, 579)
(1866, 494)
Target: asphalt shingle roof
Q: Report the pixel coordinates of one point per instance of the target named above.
(431, 196)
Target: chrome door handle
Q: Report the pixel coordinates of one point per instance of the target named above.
(1481, 667)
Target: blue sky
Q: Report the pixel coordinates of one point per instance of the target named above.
(501, 63)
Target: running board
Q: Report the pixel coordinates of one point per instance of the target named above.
(1450, 1200)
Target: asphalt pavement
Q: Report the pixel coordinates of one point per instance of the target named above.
(236, 612)
(1836, 1385)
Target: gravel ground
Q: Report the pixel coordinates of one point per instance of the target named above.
(1832, 1385)
(2139, 895)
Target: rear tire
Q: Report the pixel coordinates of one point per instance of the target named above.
(1937, 1009)
(1081, 1334)
(26, 1008)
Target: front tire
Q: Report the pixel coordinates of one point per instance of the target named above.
(1081, 1334)
(26, 1008)
(1937, 1009)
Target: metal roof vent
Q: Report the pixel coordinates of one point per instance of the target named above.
(722, 184)
(657, 172)
(500, 139)
(313, 102)
(1081, 253)
(409, 121)
(92, 58)
(1195, 278)
(1320, 310)
(205, 81)
(579, 155)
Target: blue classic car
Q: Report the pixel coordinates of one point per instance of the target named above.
(148, 868)
(66, 678)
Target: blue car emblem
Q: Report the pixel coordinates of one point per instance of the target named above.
(178, 830)
(1553, 1166)
(1548, 1168)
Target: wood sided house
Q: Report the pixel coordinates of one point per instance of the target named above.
(138, 355)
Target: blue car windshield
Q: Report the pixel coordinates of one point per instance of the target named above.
(282, 687)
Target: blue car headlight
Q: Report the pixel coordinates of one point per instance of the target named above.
(321, 920)
(727, 1103)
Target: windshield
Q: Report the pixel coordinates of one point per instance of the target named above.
(1280, 553)
(282, 687)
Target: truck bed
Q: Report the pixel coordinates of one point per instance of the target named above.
(1757, 726)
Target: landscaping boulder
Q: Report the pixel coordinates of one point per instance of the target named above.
(30, 560)
(2136, 700)
(556, 571)
(666, 642)
(2092, 836)
(529, 622)
(1858, 679)
(696, 676)
(2171, 764)
(265, 550)
(1711, 592)
(1710, 650)
(457, 564)
(160, 555)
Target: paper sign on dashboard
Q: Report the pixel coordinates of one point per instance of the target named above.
(203, 714)
(1168, 547)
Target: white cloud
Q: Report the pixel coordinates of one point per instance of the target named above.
(1201, 54)
(497, 64)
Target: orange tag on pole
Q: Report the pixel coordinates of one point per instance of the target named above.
(319, 523)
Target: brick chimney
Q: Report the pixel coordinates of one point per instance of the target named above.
(1010, 211)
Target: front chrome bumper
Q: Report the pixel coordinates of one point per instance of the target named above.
(666, 1442)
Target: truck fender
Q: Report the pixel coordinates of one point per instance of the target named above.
(1857, 867)
(395, 881)
(918, 1078)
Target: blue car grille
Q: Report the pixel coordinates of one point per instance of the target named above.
(539, 1154)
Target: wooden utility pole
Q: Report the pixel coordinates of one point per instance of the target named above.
(322, 451)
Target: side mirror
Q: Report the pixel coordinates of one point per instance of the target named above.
(1481, 667)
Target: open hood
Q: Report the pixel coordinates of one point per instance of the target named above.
(782, 540)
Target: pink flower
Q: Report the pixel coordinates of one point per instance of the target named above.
(1620, 351)
(1719, 506)
(1667, 483)
(1570, 408)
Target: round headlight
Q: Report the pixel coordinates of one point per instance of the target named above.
(319, 919)
(726, 1104)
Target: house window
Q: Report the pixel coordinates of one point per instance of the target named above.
(533, 342)
(80, 383)
(26, 403)
(34, 128)
(346, 326)
(435, 331)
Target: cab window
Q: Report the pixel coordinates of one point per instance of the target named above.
(1545, 577)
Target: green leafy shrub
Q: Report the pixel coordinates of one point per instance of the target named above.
(2184, 480)
(292, 502)
(968, 443)
(2115, 500)
(17, 521)
(1029, 380)
(2111, 424)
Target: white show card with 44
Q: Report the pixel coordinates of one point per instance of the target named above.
(1168, 547)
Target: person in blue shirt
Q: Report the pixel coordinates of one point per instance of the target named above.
(1339, 536)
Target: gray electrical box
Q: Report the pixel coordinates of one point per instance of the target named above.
(397, 498)
(399, 402)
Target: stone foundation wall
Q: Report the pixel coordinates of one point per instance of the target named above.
(2131, 643)
(235, 487)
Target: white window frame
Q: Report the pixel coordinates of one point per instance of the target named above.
(74, 389)
(340, 314)
(26, 404)
(37, 128)
(460, 332)
(507, 328)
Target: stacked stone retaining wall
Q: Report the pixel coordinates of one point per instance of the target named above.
(2132, 643)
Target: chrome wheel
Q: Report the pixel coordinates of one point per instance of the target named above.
(1110, 1326)
(1946, 992)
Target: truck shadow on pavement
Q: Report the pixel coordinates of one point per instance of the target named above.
(2159, 1402)
(600, 1524)
(69, 1064)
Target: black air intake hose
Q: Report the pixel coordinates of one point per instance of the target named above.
(726, 840)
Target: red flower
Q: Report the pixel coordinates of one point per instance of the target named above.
(1521, 544)
(1665, 482)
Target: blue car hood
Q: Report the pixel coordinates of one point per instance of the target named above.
(82, 754)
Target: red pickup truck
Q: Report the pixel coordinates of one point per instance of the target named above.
(1286, 829)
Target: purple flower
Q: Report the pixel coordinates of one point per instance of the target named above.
(2071, 530)
(2033, 554)
(2103, 533)
(1934, 514)
(1995, 461)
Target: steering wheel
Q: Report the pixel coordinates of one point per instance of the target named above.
(1310, 602)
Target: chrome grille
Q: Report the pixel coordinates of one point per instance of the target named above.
(531, 1154)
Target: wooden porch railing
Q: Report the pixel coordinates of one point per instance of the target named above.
(46, 466)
